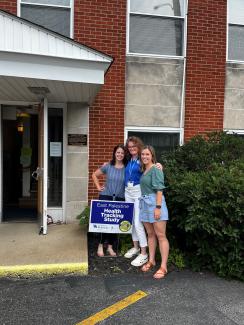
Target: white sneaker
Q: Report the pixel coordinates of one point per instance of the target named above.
(132, 252)
(139, 260)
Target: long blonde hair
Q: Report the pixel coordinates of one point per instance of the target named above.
(152, 151)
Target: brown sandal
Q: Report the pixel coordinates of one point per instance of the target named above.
(160, 274)
(147, 267)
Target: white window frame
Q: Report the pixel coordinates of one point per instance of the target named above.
(227, 36)
(153, 129)
(240, 132)
(128, 53)
(71, 7)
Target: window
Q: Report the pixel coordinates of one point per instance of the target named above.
(55, 157)
(52, 14)
(239, 133)
(161, 141)
(236, 30)
(156, 27)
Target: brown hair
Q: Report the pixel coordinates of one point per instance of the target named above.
(137, 142)
(113, 160)
(152, 151)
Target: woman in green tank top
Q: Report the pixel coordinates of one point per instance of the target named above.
(153, 211)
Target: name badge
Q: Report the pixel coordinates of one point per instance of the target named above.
(130, 184)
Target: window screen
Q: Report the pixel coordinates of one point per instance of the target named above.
(157, 27)
(236, 30)
(236, 43)
(54, 18)
(156, 35)
(162, 142)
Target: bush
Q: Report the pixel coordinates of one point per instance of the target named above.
(205, 197)
(84, 217)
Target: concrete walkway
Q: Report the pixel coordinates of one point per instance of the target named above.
(21, 247)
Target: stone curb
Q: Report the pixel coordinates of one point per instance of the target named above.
(41, 270)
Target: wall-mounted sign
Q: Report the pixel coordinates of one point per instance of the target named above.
(55, 149)
(77, 139)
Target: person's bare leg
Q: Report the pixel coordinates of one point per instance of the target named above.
(111, 251)
(136, 244)
(152, 241)
(160, 230)
(100, 252)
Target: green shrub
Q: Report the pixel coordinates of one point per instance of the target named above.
(205, 197)
(177, 258)
(125, 243)
(84, 216)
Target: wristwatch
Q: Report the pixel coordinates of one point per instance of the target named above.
(158, 206)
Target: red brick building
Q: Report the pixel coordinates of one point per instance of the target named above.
(164, 70)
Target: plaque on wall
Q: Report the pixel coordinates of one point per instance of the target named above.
(77, 139)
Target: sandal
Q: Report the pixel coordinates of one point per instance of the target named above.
(100, 252)
(111, 252)
(160, 274)
(147, 267)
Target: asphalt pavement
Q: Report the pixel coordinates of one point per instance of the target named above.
(184, 298)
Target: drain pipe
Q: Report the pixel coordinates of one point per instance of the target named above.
(182, 108)
(1, 169)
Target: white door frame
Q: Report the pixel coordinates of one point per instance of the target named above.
(54, 211)
(56, 105)
(64, 160)
(1, 168)
(45, 165)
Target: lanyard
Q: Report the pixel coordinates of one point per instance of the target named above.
(131, 166)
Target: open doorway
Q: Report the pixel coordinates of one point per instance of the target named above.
(20, 158)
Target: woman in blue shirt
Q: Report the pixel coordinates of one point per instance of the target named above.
(113, 190)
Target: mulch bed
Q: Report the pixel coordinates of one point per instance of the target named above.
(109, 265)
(106, 265)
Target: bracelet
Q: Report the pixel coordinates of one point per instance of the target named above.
(158, 206)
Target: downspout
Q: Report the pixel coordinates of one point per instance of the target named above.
(182, 108)
(1, 168)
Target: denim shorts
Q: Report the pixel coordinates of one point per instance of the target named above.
(147, 207)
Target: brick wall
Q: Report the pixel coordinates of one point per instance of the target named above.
(10, 6)
(205, 69)
(102, 25)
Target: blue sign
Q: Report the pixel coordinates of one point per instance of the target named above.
(111, 217)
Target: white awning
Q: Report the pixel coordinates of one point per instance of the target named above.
(32, 56)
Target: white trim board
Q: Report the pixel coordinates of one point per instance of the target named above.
(49, 68)
(21, 36)
(154, 129)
